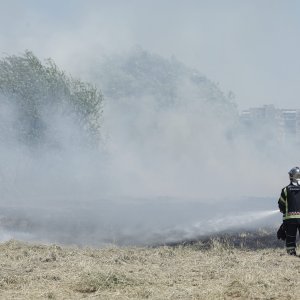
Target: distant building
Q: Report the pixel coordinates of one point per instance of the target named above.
(284, 122)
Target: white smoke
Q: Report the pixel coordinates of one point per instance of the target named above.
(158, 170)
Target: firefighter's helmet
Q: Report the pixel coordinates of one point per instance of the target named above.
(294, 174)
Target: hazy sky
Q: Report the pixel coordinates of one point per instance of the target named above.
(249, 47)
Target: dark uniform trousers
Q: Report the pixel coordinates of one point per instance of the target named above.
(291, 234)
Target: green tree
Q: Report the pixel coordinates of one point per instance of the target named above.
(36, 89)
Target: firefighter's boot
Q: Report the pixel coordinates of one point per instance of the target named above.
(291, 252)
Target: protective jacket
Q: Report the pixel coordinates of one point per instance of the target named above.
(289, 204)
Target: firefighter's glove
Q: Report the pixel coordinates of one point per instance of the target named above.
(281, 233)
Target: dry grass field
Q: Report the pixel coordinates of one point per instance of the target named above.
(194, 271)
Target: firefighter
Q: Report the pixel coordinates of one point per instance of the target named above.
(289, 205)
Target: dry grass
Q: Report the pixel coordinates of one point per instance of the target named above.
(182, 272)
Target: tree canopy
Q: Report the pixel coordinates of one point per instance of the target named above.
(139, 74)
(38, 91)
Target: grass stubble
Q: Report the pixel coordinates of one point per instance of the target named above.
(30, 271)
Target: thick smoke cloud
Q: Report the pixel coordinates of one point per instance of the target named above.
(170, 164)
(165, 169)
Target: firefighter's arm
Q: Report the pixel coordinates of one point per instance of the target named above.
(282, 201)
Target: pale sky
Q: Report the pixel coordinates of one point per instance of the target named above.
(248, 47)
